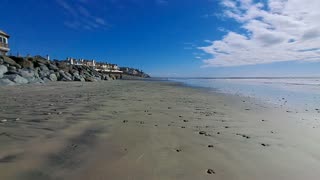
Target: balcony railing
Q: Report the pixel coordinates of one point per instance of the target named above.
(4, 45)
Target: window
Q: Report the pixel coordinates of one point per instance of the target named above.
(3, 40)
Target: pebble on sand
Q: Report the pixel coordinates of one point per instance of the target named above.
(263, 144)
(210, 146)
(210, 171)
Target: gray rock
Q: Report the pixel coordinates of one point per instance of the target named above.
(44, 68)
(68, 74)
(46, 80)
(44, 74)
(9, 61)
(27, 73)
(53, 67)
(6, 82)
(16, 78)
(12, 68)
(77, 77)
(63, 76)
(53, 77)
(108, 78)
(3, 69)
(90, 79)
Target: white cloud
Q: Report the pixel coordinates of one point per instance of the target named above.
(275, 31)
(80, 16)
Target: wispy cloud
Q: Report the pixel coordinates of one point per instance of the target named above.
(161, 2)
(277, 30)
(80, 16)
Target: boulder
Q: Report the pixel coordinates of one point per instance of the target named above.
(53, 77)
(53, 67)
(6, 82)
(108, 78)
(63, 76)
(16, 78)
(77, 77)
(9, 61)
(40, 59)
(44, 67)
(90, 79)
(31, 75)
(27, 73)
(3, 69)
(23, 62)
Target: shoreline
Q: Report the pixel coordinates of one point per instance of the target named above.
(150, 130)
(274, 93)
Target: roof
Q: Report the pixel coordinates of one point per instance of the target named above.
(4, 34)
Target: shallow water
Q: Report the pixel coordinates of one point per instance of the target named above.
(291, 92)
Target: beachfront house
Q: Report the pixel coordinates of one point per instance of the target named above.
(108, 68)
(4, 45)
(81, 62)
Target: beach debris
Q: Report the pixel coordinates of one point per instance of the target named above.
(169, 107)
(125, 121)
(178, 150)
(183, 127)
(185, 121)
(210, 171)
(180, 116)
(265, 145)
(210, 146)
(243, 135)
(202, 132)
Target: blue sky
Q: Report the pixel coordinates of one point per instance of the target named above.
(172, 37)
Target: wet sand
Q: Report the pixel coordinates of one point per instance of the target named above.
(151, 130)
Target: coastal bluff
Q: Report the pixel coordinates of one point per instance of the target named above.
(34, 70)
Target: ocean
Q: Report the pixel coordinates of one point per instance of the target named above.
(289, 92)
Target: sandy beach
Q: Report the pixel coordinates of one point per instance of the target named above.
(151, 130)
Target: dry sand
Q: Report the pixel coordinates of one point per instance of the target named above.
(151, 130)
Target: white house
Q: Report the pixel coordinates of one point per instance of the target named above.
(4, 44)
